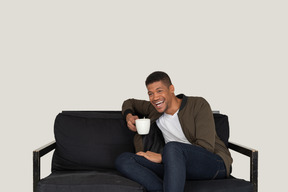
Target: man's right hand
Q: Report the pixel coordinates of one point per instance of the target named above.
(130, 119)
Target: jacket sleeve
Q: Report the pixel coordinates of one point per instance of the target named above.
(205, 126)
(137, 107)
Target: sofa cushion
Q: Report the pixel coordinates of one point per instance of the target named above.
(222, 127)
(112, 181)
(219, 185)
(90, 141)
(89, 181)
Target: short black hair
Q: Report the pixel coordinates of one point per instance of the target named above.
(158, 76)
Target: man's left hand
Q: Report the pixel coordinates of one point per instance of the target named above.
(154, 157)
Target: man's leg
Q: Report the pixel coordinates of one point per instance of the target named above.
(183, 161)
(141, 170)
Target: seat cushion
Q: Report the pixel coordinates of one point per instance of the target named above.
(112, 181)
(219, 185)
(91, 140)
(87, 181)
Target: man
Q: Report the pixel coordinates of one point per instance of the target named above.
(182, 143)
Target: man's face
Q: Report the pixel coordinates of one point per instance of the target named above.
(160, 95)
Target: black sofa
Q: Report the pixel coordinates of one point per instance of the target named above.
(87, 143)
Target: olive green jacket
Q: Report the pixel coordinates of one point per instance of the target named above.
(197, 122)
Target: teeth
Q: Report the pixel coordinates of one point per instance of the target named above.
(158, 103)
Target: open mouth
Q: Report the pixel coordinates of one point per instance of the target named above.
(159, 104)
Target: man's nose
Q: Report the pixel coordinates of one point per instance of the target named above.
(156, 97)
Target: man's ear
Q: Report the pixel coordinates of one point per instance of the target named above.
(171, 88)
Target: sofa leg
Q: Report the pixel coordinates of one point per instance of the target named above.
(254, 170)
(36, 170)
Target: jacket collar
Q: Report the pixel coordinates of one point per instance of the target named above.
(184, 101)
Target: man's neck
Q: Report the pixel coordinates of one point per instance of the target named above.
(175, 105)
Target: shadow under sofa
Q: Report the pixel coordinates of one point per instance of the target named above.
(88, 142)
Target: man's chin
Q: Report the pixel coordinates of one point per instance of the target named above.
(160, 110)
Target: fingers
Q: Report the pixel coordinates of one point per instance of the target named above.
(131, 126)
(141, 153)
(149, 153)
(151, 156)
(133, 118)
(131, 122)
(144, 154)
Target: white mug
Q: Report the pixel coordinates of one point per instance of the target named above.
(143, 126)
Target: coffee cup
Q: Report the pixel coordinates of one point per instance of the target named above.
(143, 126)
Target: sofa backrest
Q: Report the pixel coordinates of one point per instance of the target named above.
(90, 140)
(222, 127)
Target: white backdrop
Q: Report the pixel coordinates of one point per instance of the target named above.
(91, 55)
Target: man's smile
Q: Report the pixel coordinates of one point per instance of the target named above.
(159, 104)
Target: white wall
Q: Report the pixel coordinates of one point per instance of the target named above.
(86, 55)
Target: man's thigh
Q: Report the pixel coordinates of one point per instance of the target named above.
(199, 162)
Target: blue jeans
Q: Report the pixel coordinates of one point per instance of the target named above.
(180, 162)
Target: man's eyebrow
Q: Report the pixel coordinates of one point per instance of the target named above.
(156, 89)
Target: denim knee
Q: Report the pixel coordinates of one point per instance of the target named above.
(123, 161)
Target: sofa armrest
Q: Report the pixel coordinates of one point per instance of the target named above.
(37, 154)
(253, 155)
